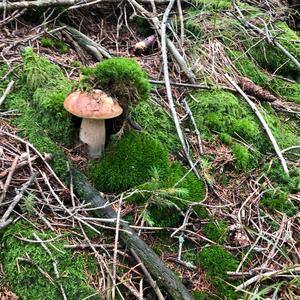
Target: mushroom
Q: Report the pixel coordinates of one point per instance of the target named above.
(93, 107)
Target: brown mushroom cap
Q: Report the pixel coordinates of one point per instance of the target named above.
(92, 105)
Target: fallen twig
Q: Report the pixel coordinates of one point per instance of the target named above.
(7, 91)
(264, 124)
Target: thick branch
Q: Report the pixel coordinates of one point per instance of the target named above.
(164, 277)
(47, 3)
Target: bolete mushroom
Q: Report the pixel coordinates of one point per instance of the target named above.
(94, 108)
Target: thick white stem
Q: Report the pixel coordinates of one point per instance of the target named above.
(92, 132)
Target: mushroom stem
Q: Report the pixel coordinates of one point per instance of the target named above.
(92, 132)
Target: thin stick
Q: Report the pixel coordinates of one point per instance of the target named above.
(17, 198)
(114, 271)
(54, 263)
(264, 124)
(9, 178)
(168, 85)
(7, 91)
(149, 277)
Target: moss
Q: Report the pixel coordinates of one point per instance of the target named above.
(233, 117)
(282, 88)
(225, 138)
(39, 72)
(56, 44)
(153, 119)
(199, 295)
(121, 77)
(186, 186)
(271, 58)
(29, 121)
(128, 162)
(216, 261)
(20, 275)
(248, 68)
(213, 4)
(278, 200)
(287, 90)
(282, 181)
(216, 231)
(243, 158)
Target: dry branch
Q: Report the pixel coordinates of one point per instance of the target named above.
(264, 124)
(46, 3)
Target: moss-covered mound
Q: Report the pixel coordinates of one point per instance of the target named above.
(128, 162)
(35, 121)
(220, 111)
(282, 88)
(28, 278)
(122, 78)
(272, 58)
(49, 88)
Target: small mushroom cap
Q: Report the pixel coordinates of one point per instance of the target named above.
(95, 104)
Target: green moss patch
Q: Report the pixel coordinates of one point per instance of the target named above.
(153, 119)
(49, 89)
(27, 281)
(216, 261)
(128, 162)
(122, 78)
(56, 44)
(221, 112)
(173, 189)
(216, 231)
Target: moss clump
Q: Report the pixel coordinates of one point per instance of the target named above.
(284, 89)
(199, 295)
(248, 68)
(121, 77)
(216, 261)
(278, 200)
(29, 121)
(216, 231)
(128, 162)
(56, 44)
(72, 269)
(153, 119)
(225, 138)
(287, 90)
(39, 71)
(243, 158)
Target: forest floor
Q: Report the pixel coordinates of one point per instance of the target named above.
(228, 227)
